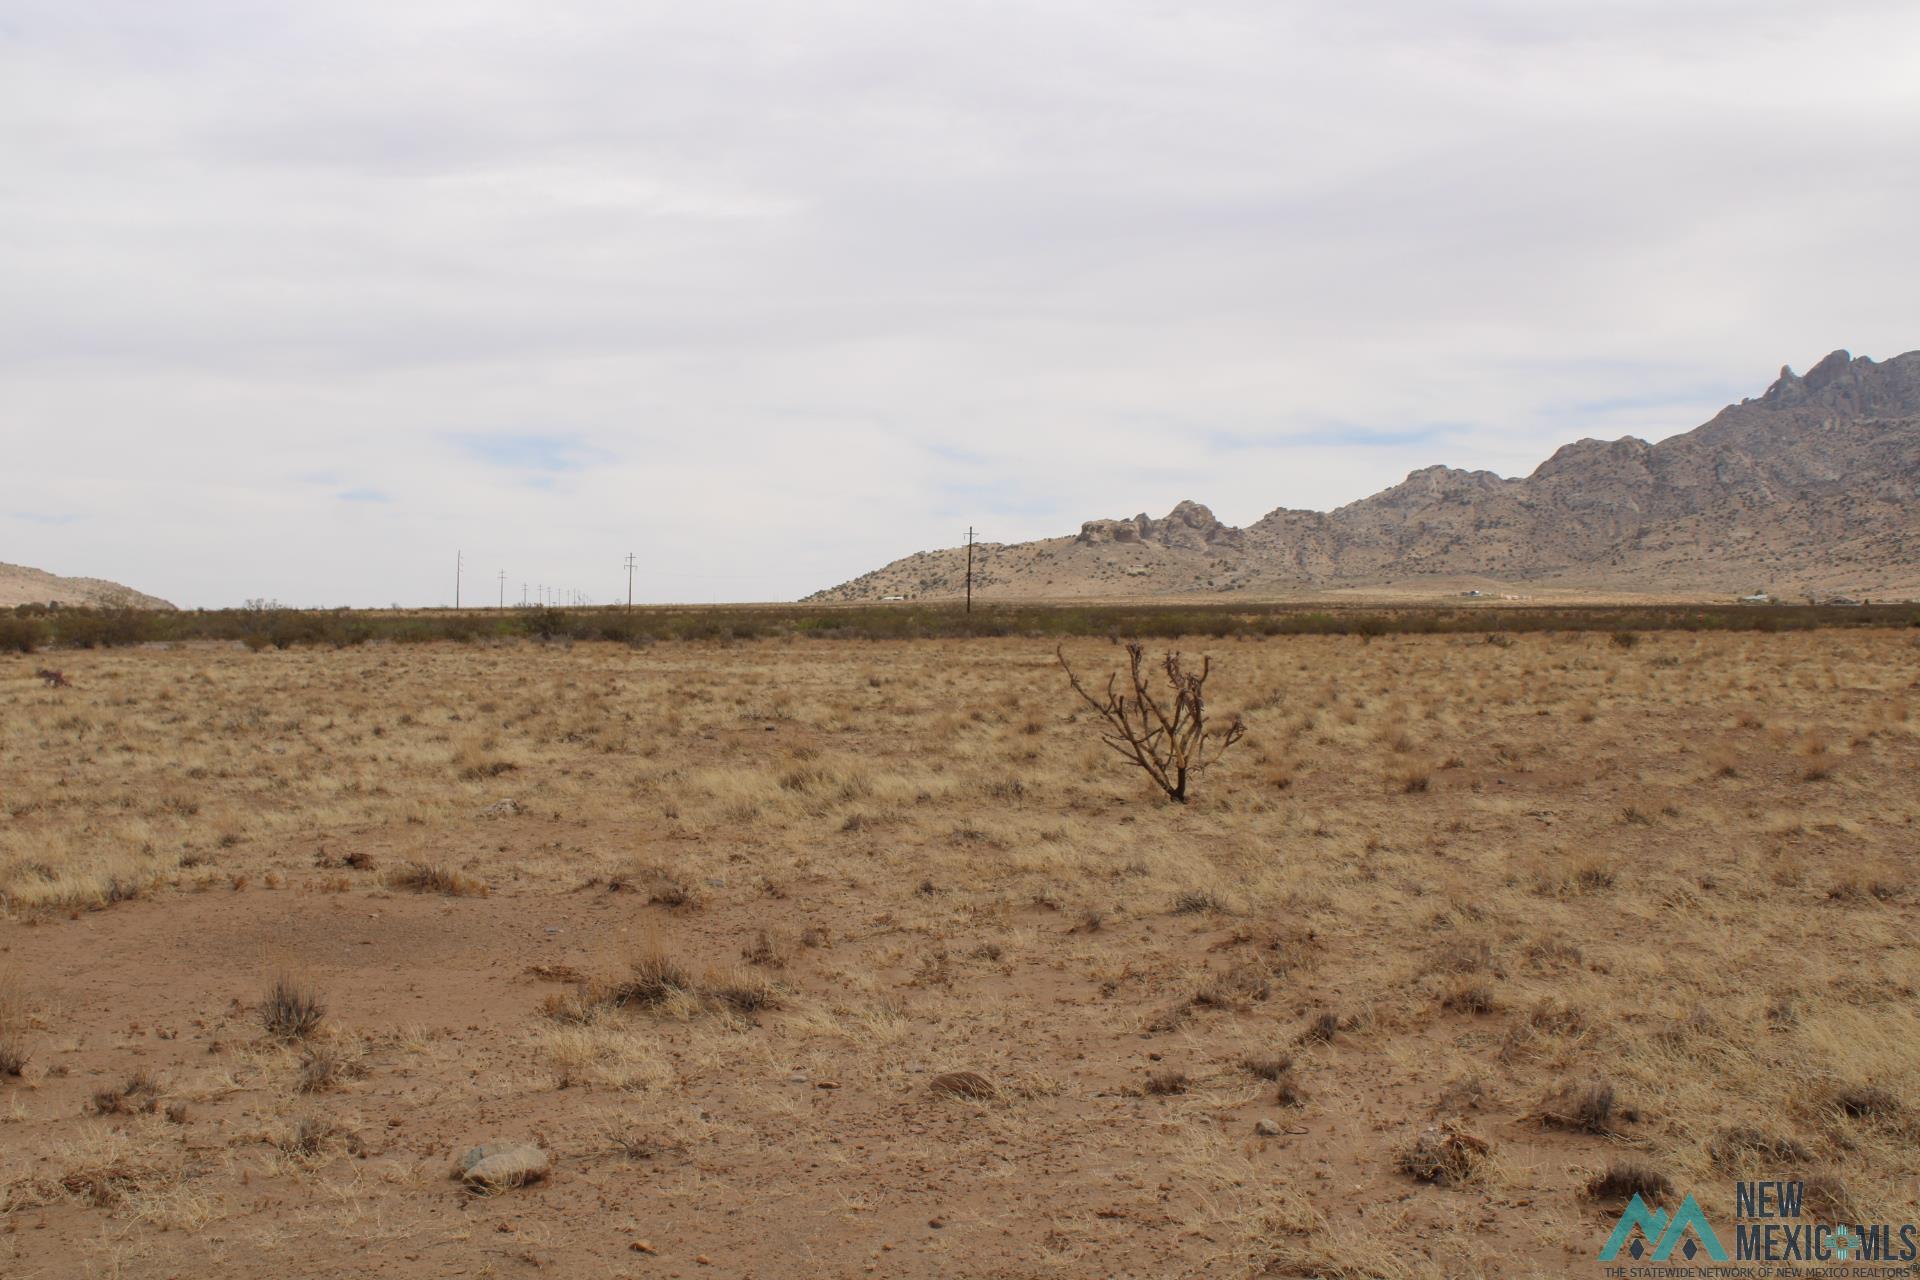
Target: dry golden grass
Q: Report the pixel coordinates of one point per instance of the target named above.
(1631, 916)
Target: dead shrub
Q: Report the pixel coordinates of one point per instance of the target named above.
(13, 1056)
(1446, 1156)
(1171, 743)
(291, 1011)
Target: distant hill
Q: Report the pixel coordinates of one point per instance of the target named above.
(21, 585)
(1810, 489)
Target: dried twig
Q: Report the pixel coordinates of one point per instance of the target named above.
(1170, 744)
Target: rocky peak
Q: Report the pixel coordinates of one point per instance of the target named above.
(1850, 385)
(1190, 524)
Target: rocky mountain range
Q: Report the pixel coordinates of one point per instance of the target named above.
(1807, 490)
(22, 585)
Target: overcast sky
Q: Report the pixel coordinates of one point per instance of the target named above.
(298, 299)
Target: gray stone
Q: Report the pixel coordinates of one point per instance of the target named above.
(496, 1165)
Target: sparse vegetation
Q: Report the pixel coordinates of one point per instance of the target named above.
(291, 1010)
(1624, 1179)
(777, 908)
(433, 877)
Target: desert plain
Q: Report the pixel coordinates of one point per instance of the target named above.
(866, 958)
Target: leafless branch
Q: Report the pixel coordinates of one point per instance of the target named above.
(1172, 741)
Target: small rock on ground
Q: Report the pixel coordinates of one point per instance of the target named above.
(495, 1165)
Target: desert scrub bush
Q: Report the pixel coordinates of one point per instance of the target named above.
(291, 1010)
(21, 635)
(1169, 740)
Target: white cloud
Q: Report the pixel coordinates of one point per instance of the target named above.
(790, 290)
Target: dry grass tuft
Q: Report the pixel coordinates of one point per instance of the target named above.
(291, 1011)
(1625, 1179)
(1163, 1084)
(743, 992)
(1191, 902)
(426, 877)
(1827, 1198)
(1865, 1102)
(1733, 1147)
(1469, 997)
(964, 1084)
(328, 1066)
(140, 1095)
(309, 1139)
(1323, 1028)
(1272, 1067)
(653, 978)
(1587, 1107)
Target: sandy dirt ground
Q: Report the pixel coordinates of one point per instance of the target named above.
(714, 926)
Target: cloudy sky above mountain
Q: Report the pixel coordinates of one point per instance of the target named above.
(298, 299)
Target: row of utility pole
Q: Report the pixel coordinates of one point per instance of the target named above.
(538, 593)
(549, 596)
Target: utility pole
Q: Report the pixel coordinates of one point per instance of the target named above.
(969, 568)
(459, 561)
(523, 595)
(503, 588)
(629, 582)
